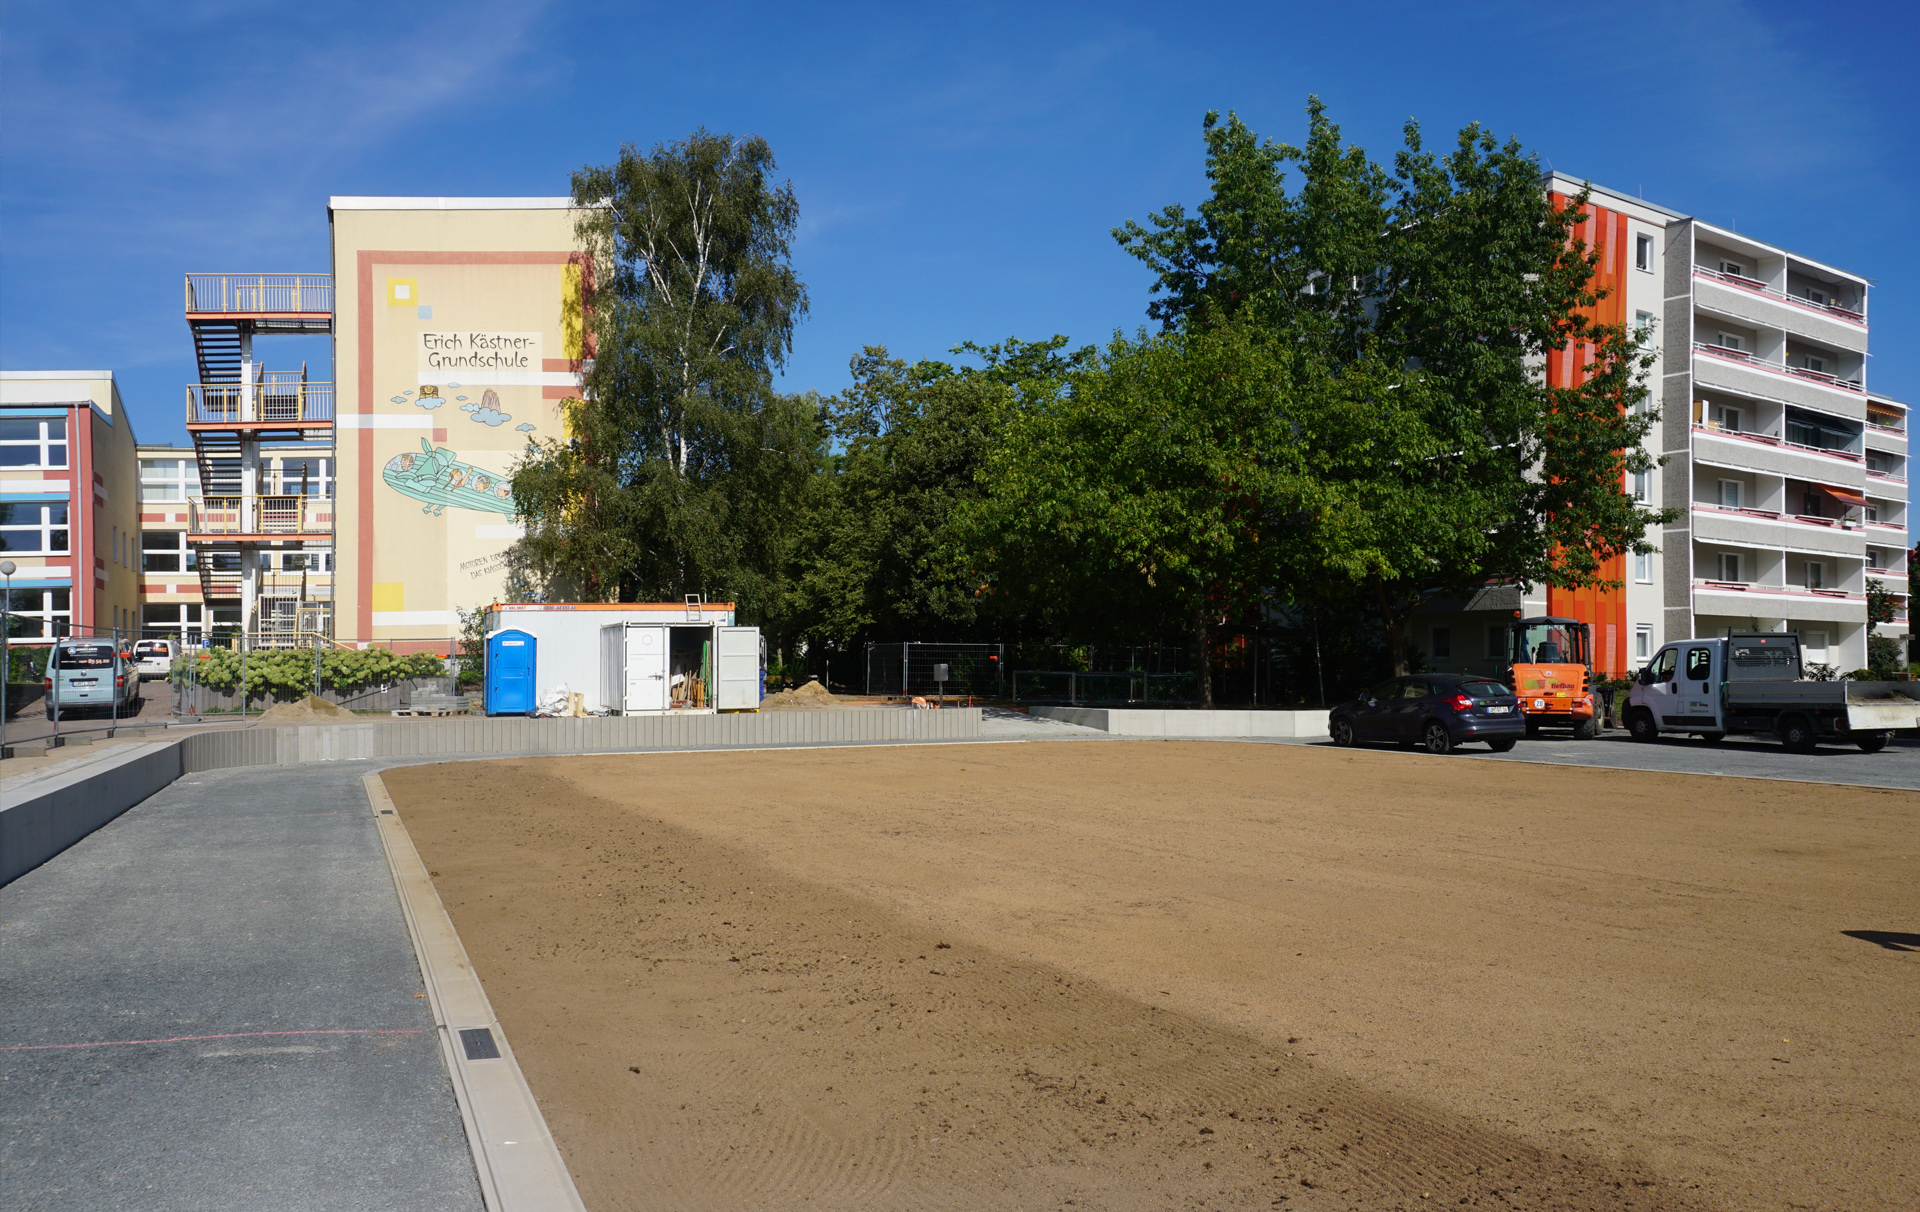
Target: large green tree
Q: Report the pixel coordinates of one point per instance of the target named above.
(682, 465)
(1423, 302)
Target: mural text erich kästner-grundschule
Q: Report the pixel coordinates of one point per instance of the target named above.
(477, 351)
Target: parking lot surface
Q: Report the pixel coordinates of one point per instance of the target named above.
(212, 1003)
(1897, 766)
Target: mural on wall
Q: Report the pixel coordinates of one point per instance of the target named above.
(437, 477)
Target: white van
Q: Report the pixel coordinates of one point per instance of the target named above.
(154, 658)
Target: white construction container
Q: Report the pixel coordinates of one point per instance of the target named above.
(635, 657)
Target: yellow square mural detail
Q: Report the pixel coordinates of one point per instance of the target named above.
(403, 292)
(389, 595)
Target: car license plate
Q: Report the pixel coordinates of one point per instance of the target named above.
(1498, 710)
(84, 683)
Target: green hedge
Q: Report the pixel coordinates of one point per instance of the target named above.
(292, 668)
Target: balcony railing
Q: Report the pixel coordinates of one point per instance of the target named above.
(1892, 422)
(1747, 359)
(1767, 439)
(276, 398)
(268, 515)
(1774, 515)
(1786, 590)
(1761, 288)
(257, 294)
(1888, 476)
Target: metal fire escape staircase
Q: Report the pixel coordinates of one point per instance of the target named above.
(236, 407)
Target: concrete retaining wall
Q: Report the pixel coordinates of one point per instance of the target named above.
(1148, 721)
(43, 816)
(55, 812)
(457, 735)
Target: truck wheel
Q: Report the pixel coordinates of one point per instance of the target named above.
(1640, 725)
(1586, 730)
(1797, 734)
(1712, 738)
(1873, 742)
(1437, 738)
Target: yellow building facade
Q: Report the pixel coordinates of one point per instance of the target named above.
(459, 328)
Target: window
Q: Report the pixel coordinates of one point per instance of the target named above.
(1642, 485)
(1816, 574)
(1416, 689)
(39, 613)
(169, 479)
(1729, 419)
(1496, 643)
(1699, 664)
(1643, 253)
(1643, 569)
(1643, 323)
(295, 477)
(1816, 296)
(1729, 494)
(1733, 267)
(30, 529)
(1729, 566)
(169, 618)
(33, 442)
(1442, 643)
(166, 551)
(1662, 667)
(1732, 341)
(1642, 642)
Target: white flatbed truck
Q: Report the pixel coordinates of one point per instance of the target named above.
(1752, 683)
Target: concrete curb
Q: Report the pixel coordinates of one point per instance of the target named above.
(519, 1166)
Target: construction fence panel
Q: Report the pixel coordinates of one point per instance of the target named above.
(903, 670)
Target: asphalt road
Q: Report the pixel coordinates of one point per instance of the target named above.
(1897, 766)
(212, 1003)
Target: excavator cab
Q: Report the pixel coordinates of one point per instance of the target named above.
(1551, 671)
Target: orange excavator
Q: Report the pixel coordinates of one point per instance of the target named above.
(1552, 670)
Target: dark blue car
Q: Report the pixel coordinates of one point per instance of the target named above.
(1434, 710)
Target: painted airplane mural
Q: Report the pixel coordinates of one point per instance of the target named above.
(436, 477)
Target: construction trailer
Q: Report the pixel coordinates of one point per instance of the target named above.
(639, 658)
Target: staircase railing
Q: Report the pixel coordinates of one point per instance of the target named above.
(254, 294)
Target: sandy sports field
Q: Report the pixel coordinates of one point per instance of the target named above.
(1190, 975)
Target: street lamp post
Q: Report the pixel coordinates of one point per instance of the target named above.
(6, 657)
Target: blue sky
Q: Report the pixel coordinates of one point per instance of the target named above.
(958, 170)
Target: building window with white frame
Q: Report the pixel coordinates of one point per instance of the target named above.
(310, 477)
(1642, 641)
(166, 551)
(1730, 567)
(1642, 485)
(31, 528)
(182, 619)
(1733, 268)
(169, 479)
(1732, 341)
(1643, 567)
(39, 613)
(1729, 494)
(33, 442)
(1816, 575)
(1643, 253)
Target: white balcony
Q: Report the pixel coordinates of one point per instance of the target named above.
(1747, 374)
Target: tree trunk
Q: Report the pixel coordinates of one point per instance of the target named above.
(1205, 662)
(1396, 633)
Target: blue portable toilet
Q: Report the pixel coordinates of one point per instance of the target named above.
(511, 661)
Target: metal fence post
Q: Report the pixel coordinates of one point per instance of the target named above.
(906, 646)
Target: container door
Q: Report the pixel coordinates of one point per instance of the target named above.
(646, 669)
(738, 668)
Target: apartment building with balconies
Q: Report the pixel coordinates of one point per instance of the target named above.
(1788, 473)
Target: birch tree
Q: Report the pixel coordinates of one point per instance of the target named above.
(680, 460)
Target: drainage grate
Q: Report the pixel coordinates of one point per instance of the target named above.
(478, 1043)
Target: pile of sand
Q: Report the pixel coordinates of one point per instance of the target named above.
(311, 710)
(811, 697)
